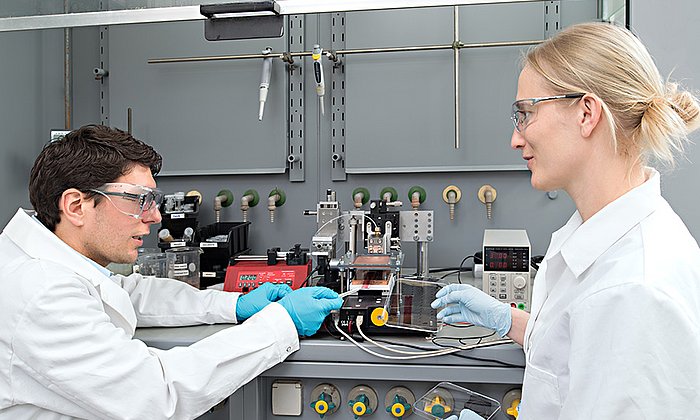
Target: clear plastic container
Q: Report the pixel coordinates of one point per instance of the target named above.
(408, 305)
(152, 264)
(183, 264)
(447, 399)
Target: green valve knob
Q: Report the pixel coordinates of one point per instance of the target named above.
(323, 405)
(399, 408)
(360, 406)
(438, 410)
(281, 194)
(390, 190)
(365, 194)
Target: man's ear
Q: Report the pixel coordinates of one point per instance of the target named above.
(73, 206)
(590, 109)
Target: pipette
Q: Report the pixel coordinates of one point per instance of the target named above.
(265, 80)
(318, 75)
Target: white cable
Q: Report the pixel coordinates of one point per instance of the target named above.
(360, 318)
(419, 356)
(338, 217)
(383, 356)
(426, 353)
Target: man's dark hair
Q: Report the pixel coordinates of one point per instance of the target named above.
(86, 158)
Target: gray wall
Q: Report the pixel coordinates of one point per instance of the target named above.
(31, 88)
(517, 205)
(670, 31)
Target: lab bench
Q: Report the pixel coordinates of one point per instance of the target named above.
(325, 359)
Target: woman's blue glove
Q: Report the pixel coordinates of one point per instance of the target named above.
(251, 303)
(309, 306)
(466, 414)
(473, 306)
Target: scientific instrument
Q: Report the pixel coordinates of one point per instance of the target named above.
(317, 54)
(265, 80)
(506, 255)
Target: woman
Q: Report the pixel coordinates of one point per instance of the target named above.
(613, 330)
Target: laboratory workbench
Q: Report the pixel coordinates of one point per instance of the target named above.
(325, 359)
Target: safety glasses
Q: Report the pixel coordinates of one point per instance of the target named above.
(133, 200)
(524, 109)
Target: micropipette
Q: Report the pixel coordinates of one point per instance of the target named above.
(318, 75)
(265, 80)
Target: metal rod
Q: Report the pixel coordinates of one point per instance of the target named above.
(67, 74)
(129, 116)
(279, 257)
(456, 74)
(422, 265)
(223, 57)
(347, 52)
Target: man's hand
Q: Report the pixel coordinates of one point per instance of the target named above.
(251, 303)
(309, 306)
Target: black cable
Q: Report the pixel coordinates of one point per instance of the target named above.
(536, 261)
(459, 273)
(449, 274)
(440, 270)
(309, 276)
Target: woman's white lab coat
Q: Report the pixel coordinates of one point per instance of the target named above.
(614, 329)
(67, 347)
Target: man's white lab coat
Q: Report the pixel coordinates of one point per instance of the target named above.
(67, 347)
(613, 333)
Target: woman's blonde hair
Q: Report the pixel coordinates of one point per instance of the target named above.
(648, 117)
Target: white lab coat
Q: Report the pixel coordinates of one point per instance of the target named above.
(613, 332)
(67, 347)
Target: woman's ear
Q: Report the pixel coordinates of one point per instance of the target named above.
(590, 109)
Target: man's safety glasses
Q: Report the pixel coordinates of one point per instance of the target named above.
(133, 200)
(524, 109)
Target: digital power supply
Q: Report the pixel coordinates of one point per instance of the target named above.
(507, 267)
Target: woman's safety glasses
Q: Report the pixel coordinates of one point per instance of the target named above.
(132, 200)
(524, 109)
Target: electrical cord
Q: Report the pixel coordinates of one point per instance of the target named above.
(462, 356)
(536, 261)
(340, 217)
(459, 273)
(385, 356)
(306, 281)
(430, 353)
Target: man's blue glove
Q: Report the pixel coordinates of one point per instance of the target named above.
(466, 414)
(473, 306)
(249, 304)
(309, 306)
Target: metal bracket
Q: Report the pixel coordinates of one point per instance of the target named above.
(552, 10)
(104, 81)
(295, 157)
(338, 100)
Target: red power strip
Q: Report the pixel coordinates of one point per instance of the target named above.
(245, 276)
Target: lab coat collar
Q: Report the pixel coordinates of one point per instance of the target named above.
(39, 242)
(588, 241)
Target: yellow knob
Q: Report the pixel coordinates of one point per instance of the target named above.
(359, 408)
(321, 407)
(513, 409)
(398, 410)
(379, 317)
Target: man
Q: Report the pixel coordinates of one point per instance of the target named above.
(67, 347)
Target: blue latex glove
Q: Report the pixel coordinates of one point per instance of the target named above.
(249, 304)
(473, 306)
(309, 306)
(466, 414)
